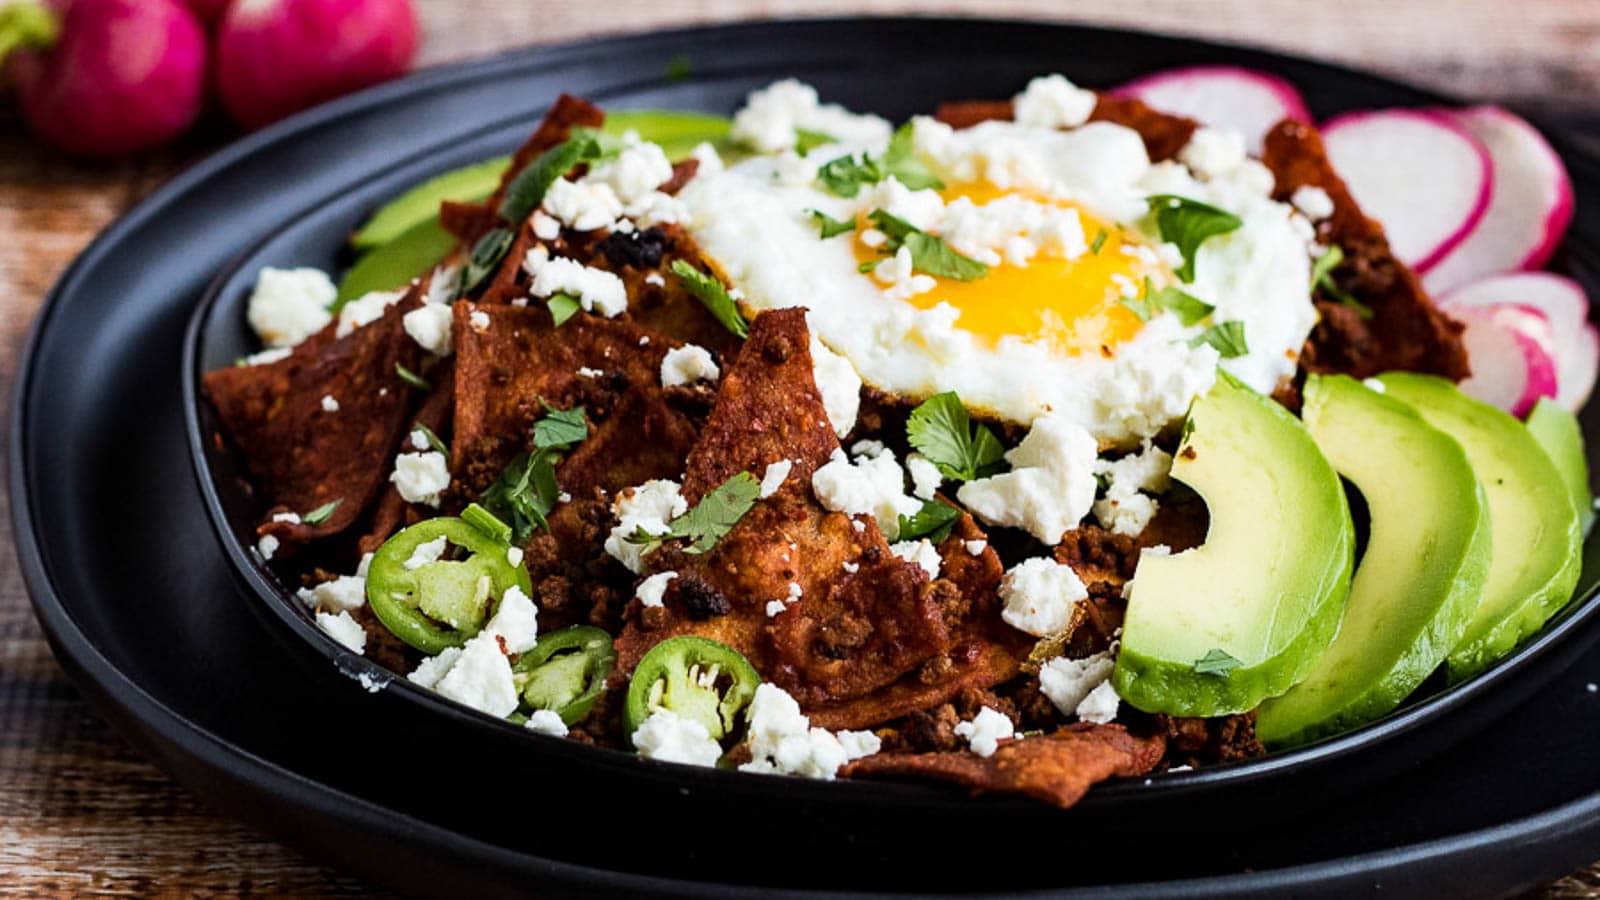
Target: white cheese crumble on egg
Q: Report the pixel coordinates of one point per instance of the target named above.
(653, 590)
(420, 477)
(783, 741)
(770, 117)
(343, 628)
(1039, 595)
(648, 507)
(688, 364)
(1213, 152)
(1050, 487)
(871, 486)
(289, 305)
(1051, 101)
(596, 290)
(669, 737)
(984, 731)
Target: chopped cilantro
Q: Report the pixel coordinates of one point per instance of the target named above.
(1189, 310)
(831, 227)
(431, 438)
(1098, 242)
(412, 378)
(527, 188)
(560, 428)
(1226, 337)
(1216, 662)
(714, 516)
(562, 307)
(526, 490)
(1188, 223)
(1322, 279)
(320, 514)
(900, 160)
(933, 521)
(485, 258)
(929, 253)
(679, 68)
(708, 290)
(806, 140)
(845, 175)
(941, 430)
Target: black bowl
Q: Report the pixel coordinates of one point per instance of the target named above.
(304, 184)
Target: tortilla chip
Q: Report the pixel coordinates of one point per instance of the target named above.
(1057, 768)
(392, 512)
(303, 457)
(657, 297)
(1164, 134)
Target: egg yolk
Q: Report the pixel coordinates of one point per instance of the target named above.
(1073, 305)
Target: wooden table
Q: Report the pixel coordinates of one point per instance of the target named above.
(80, 813)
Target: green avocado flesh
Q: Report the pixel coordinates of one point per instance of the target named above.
(1267, 588)
(415, 251)
(1534, 521)
(421, 203)
(1558, 433)
(1421, 576)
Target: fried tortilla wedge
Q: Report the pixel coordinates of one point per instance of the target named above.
(304, 456)
(392, 512)
(1164, 134)
(1057, 768)
(657, 297)
(1400, 327)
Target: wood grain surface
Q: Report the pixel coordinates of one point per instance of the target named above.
(81, 814)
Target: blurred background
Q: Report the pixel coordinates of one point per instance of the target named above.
(78, 811)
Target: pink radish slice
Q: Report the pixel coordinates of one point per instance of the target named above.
(1509, 346)
(1244, 100)
(1529, 208)
(1426, 178)
(1576, 345)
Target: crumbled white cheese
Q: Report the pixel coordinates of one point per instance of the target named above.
(342, 593)
(774, 477)
(427, 552)
(479, 320)
(1051, 101)
(669, 737)
(708, 157)
(418, 439)
(1375, 385)
(344, 629)
(922, 552)
(896, 272)
(986, 730)
(1213, 152)
(365, 309)
(582, 205)
(1039, 595)
(442, 285)
(266, 357)
(267, 546)
(850, 567)
(688, 364)
(925, 476)
(429, 325)
(1313, 201)
(975, 548)
(291, 518)
(514, 556)
(430, 670)
(839, 386)
(1068, 682)
(872, 485)
(329, 403)
(586, 372)
(634, 173)
(653, 590)
(1124, 510)
(515, 620)
(419, 477)
(595, 290)
(1050, 487)
(654, 278)
(782, 740)
(770, 117)
(545, 228)
(289, 305)
(649, 507)
(1101, 705)
(546, 721)
(481, 677)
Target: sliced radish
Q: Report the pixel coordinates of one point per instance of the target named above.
(1244, 100)
(1576, 345)
(1529, 207)
(1510, 348)
(1426, 178)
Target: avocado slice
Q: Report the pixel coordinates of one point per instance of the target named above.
(1558, 433)
(1531, 512)
(421, 203)
(1423, 572)
(1244, 616)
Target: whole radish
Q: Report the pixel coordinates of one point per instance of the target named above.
(208, 11)
(275, 57)
(102, 78)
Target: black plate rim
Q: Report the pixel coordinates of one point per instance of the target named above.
(119, 696)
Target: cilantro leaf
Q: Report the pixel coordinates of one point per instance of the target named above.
(1226, 337)
(1098, 242)
(929, 253)
(941, 430)
(933, 521)
(1322, 279)
(527, 188)
(1188, 223)
(560, 428)
(708, 290)
(524, 493)
(432, 439)
(829, 226)
(844, 176)
(679, 68)
(806, 140)
(715, 514)
(562, 307)
(900, 160)
(1189, 310)
(896, 228)
(322, 513)
(485, 258)
(412, 378)
(1216, 662)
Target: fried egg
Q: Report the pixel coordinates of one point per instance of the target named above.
(1056, 247)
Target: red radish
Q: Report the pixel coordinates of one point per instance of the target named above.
(101, 78)
(1245, 100)
(1576, 345)
(1426, 178)
(1510, 347)
(276, 57)
(1529, 209)
(208, 11)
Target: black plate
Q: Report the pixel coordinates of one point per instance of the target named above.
(145, 610)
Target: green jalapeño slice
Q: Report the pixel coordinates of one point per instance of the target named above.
(695, 677)
(436, 594)
(566, 671)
